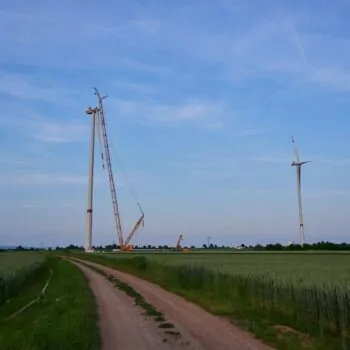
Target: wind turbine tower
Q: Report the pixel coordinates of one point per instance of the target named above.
(297, 163)
(88, 241)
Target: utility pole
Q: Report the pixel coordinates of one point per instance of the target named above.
(88, 242)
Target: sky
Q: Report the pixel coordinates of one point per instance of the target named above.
(203, 97)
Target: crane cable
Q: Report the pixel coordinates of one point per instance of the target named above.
(125, 177)
(128, 182)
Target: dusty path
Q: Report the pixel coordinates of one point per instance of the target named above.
(122, 325)
(201, 329)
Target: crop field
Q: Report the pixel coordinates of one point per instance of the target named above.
(67, 301)
(306, 291)
(16, 269)
(303, 269)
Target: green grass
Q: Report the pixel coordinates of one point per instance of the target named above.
(16, 269)
(304, 268)
(292, 301)
(65, 318)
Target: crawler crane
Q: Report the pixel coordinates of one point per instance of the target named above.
(106, 160)
(178, 244)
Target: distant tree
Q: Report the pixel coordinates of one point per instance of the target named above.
(276, 246)
(204, 246)
(58, 248)
(193, 247)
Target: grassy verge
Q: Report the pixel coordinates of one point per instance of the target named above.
(139, 300)
(274, 324)
(65, 318)
(32, 287)
(17, 269)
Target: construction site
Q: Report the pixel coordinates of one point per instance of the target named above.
(124, 241)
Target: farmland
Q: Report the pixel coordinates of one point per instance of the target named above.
(63, 317)
(299, 268)
(16, 269)
(307, 293)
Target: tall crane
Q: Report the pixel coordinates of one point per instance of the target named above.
(101, 129)
(178, 243)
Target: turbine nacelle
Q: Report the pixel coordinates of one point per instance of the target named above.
(294, 163)
(90, 111)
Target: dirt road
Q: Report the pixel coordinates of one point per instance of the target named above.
(199, 329)
(122, 325)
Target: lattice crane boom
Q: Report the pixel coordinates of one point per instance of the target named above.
(102, 127)
(139, 222)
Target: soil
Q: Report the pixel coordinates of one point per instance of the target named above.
(124, 327)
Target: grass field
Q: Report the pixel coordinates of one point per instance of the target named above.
(65, 318)
(298, 268)
(293, 301)
(17, 269)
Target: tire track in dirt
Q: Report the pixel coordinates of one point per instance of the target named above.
(202, 329)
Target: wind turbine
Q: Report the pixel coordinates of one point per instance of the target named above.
(88, 240)
(297, 163)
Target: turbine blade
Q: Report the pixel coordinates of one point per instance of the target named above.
(295, 149)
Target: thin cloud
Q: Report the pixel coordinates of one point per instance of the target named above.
(60, 132)
(25, 87)
(141, 88)
(270, 46)
(202, 114)
(33, 178)
(275, 160)
(250, 132)
(42, 179)
(13, 159)
(331, 162)
(46, 129)
(296, 40)
(48, 204)
(338, 79)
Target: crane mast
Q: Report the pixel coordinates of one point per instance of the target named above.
(102, 124)
(101, 129)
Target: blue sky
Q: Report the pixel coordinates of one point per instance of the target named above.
(203, 99)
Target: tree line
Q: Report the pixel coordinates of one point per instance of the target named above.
(319, 246)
